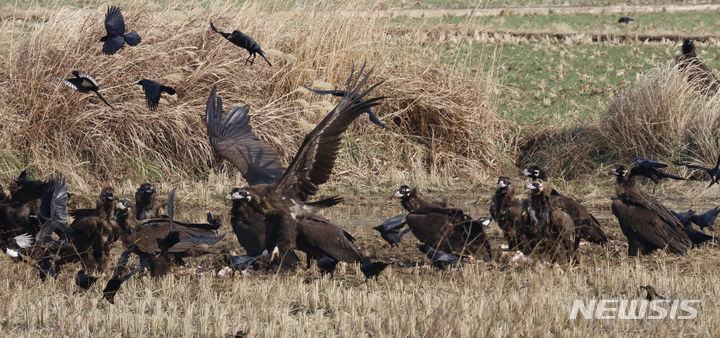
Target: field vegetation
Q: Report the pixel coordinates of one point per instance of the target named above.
(464, 105)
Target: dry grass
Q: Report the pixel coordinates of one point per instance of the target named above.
(437, 115)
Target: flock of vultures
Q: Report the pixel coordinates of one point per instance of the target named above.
(276, 215)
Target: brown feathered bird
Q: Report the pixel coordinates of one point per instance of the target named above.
(586, 226)
(146, 205)
(513, 221)
(93, 234)
(647, 224)
(411, 200)
(146, 238)
(699, 75)
(442, 228)
(280, 195)
(555, 227)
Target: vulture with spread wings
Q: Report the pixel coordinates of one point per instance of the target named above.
(279, 194)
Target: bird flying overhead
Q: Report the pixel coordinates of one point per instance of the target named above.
(115, 39)
(84, 83)
(153, 90)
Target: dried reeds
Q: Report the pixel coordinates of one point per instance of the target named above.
(441, 120)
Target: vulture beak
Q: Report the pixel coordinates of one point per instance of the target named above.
(501, 184)
(526, 172)
(531, 186)
(120, 205)
(275, 252)
(398, 194)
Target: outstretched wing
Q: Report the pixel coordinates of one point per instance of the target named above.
(315, 159)
(232, 138)
(114, 22)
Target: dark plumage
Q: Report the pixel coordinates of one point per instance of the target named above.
(84, 83)
(448, 229)
(281, 196)
(83, 280)
(242, 40)
(411, 201)
(699, 75)
(327, 265)
(146, 205)
(509, 214)
(113, 285)
(556, 229)
(243, 262)
(115, 39)
(439, 259)
(697, 237)
(394, 237)
(647, 224)
(706, 219)
(625, 20)
(649, 169)
(153, 90)
(371, 269)
(713, 172)
(92, 235)
(342, 93)
(586, 226)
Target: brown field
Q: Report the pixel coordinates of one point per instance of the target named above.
(449, 136)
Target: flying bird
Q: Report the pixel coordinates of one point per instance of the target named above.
(153, 90)
(714, 172)
(649, 169)
(84, 83)
(280, 196)
(342, 93)
(241, 39)
(625, 20)
(115, 39)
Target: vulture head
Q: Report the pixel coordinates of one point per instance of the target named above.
(536, 187)
(403, 192)
(503, 182)
(618, 171)
(534, 172)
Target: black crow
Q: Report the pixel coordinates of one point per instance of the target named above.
(243, 262)
(649, 169)
(327, 265)
(153, 90)
(241, 39)
(84, 83)
(371, 269)
(342, 93)
(707, 219)
(714, 172)
(625, 20)
(83, 280)
(116, 280)
(395, 223)
(439, 259)
(116, 37)
(393, 237)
